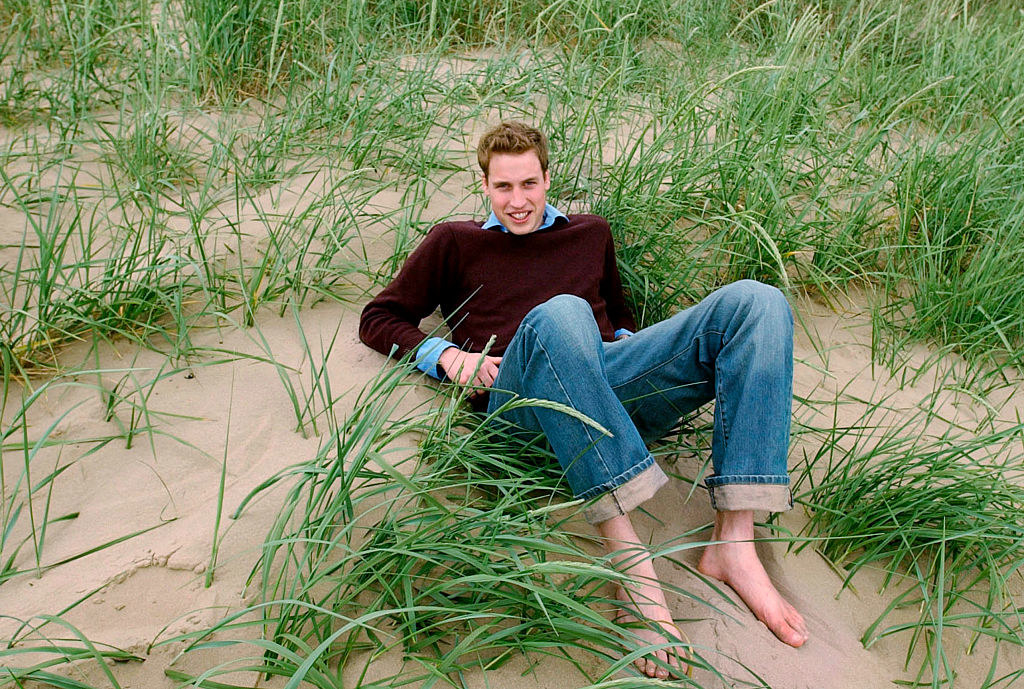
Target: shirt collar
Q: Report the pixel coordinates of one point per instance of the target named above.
(551, 214)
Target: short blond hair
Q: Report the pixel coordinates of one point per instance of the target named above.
(512, 137)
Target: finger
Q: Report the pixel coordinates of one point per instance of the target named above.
(489, 373)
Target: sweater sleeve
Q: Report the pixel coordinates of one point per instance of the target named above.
(393, 317)
(611, 289)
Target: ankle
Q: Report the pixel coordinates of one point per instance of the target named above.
(734, 525)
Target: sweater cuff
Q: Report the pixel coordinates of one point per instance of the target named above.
(428, 354)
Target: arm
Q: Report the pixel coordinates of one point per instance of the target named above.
(390, 322)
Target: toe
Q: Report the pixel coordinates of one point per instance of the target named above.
(785, 628)
(657, 664)
(795, 639)
(792, 635)
(797, 624)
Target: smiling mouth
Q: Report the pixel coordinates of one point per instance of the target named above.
(519, 216)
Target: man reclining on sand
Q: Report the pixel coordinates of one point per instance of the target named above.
(546, 287)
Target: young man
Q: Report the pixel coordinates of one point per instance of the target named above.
(545, 286)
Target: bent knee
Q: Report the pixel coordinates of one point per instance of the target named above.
(754, 293)
(560, 310)
(565, 316)
(756, 299)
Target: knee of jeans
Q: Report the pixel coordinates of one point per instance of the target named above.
(559, 310)
(761, 299)
(566, 316)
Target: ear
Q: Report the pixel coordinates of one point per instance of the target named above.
(547, 180)
(483, 181)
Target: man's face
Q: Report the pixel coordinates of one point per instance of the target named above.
(517, 188)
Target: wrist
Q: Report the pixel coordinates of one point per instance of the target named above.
(447, 359)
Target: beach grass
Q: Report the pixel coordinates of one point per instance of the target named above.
(455, 553)
(56, 661)
(935, 507)
(180, 168)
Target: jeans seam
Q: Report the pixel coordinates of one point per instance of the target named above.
(587, 429)
(720, 400)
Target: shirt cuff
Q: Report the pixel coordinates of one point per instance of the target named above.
(618, 333)
(428, 354)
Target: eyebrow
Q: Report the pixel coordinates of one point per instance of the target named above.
(522, 181)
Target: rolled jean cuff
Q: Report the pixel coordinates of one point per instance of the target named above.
(623, 498)
(772, 497)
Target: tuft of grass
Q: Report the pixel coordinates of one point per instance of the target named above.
(939, 514)
(459, 555)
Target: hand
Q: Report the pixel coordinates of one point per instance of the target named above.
(469, 368)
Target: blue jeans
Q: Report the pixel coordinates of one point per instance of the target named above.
(735, 347)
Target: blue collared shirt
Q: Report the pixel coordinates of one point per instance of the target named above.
(429, 351)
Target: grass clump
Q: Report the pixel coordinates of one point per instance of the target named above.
(940, 516)
(953, 272)
(69, 279)
(453, 559)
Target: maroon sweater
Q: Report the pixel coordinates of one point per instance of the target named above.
(486, 281)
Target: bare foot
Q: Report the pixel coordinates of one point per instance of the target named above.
(645, 613)
(735, 562)
(644, 610)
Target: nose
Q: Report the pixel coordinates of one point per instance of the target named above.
(517, 196)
